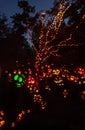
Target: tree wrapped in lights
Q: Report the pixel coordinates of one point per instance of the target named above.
(46, 47)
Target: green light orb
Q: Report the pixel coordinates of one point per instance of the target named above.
(16, 77)
(20, 79)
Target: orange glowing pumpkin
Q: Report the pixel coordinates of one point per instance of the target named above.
(2, 118)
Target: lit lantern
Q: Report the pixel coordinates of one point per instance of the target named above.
(72, 78)
(2, 118)
(58, 81)
(19, 79)
(56, 72)
(30, 80)
(80, 71)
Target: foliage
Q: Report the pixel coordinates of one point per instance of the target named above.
(4, 27)
(22, 20)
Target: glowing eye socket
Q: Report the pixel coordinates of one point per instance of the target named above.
(20, 79)
(16, 77)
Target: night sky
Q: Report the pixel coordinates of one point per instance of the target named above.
(9, 7)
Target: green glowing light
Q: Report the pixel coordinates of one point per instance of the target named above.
(20, 79)
(18, 85)
(16, 77)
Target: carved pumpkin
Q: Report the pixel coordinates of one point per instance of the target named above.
(2, 118)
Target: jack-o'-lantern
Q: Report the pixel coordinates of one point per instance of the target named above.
(2, 118)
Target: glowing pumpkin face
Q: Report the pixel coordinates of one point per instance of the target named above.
(2, 118)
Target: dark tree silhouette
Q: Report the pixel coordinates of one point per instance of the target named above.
(13, 42)
(4, 27)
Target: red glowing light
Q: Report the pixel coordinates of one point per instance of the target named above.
(31, 80)
(72, 77)
(80, 71)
